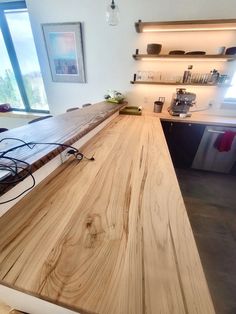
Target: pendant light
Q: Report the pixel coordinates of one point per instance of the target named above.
(112, 14)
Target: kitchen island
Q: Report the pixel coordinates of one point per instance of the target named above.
(110, 235)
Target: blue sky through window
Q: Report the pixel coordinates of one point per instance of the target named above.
(231, 93)
(19, 24)
(28, 78)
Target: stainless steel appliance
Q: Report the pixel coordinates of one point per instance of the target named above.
(181, 102)
(208, 157)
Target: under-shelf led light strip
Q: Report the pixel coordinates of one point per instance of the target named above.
(146, 30)
(185, 59)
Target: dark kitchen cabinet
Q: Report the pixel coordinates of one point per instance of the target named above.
(183, 140)
(233, 170)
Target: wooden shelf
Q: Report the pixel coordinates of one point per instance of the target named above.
(185, 57)
(186, 84)
(185, 26)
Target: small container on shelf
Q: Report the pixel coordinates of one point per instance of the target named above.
(138, 76)
(214, 77)
(195, 78)
(187, 75)
(147, 76)
(158, 104)
(178, 79)
(167, 78)
(154, 49)
(150, 76)
(200, 78)
(224, 79)
(206, 78)
(220, 50)
(157, 76)
(142, 76)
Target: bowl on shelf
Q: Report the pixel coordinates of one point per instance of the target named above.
(154, 49)
(230, 51)
(176, 52)
(196, 53)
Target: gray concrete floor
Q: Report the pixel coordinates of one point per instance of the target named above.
(210, 200)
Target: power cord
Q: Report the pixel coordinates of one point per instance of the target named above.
(15, 164)
(78, 155)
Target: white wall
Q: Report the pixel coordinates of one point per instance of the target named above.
(108, 50)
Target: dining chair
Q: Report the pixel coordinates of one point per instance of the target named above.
(3, 130)
(39, 119)
(72, 109)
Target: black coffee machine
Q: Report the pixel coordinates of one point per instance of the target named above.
(181, 102)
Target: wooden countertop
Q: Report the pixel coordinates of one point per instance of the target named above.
(66, 128)
(108, 236)
(208, 119)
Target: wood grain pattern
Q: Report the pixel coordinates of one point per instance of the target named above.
(4, 308)
(109, 236)
(66, 129)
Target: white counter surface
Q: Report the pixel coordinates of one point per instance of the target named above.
(196, 117)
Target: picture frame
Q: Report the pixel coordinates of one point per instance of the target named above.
(64, 47)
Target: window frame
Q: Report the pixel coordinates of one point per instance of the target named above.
(12, 54)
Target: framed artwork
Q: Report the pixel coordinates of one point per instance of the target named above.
(65, 51)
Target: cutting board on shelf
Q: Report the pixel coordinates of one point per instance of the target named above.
(131, 110)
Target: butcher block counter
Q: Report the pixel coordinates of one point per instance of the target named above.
(108, 236)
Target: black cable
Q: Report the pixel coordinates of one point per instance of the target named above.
(28, 189)
(31, 145)
(74, 151)
(13, 138)
(16, 139)
(8, 168)
(20, 178)
(15, 165)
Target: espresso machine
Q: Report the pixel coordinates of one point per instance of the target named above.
(181, 102)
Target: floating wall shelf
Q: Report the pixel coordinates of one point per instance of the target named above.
(186, 26)
(185, 57)
(180, 84)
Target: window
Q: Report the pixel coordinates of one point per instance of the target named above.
(21, 82)
(231, 93)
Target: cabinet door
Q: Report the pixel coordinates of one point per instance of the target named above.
(233, 170)
(183, 140)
